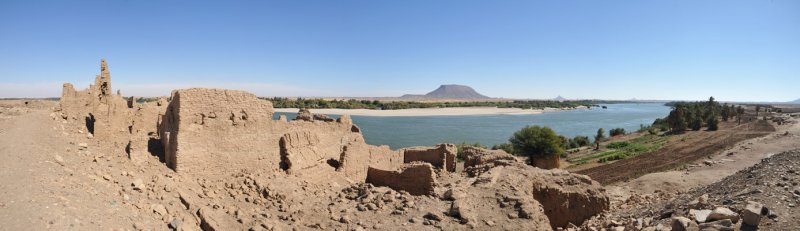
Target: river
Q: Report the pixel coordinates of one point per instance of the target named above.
(488, 130)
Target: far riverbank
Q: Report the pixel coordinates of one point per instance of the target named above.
(448, 111)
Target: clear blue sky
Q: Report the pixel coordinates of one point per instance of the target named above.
(734, 50)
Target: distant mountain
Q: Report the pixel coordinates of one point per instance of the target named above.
(559, 98)
(797, 101)
(450, 91)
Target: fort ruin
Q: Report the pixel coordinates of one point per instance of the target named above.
(222, 134)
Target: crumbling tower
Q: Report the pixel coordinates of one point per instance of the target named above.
(102, 82)
(103, 112)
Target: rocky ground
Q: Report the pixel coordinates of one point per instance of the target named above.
(770, 188)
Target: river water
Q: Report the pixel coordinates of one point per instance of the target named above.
(488, 130)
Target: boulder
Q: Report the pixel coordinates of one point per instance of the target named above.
(213, 220)
(700, 202)
(460, 210)
(159, 209)
(684, 224)
(752, 213)
(700, 215)
(722, 213)
(720, 225)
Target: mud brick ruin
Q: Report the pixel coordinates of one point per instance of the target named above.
(219, 134)
(442, 156)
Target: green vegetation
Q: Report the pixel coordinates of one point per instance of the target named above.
(695, 123)
(576, 142)
(536, 142)
(694, 115)
(146, 99)
(713, 123)
(616, 132)
(599, 137)
(677, 119)
(661, 124)
(618, 145)
(581, 141)
(626, 149)
(312, 103)
(651, 129)
(726, 112)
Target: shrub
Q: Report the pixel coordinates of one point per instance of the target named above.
(616, 132)
(643, 128)
(505, 147)
(618, 145)
(536, 142)
(581, 141)
(661, 124)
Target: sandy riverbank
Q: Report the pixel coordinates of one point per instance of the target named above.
(450, 111)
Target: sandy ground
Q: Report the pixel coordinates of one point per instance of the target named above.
(39, 194)
(742, 155)
(450, 111)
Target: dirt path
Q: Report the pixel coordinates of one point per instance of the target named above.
(702, 145)
(740, 156)
(38, 193)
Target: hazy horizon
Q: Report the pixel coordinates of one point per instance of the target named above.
(744, 51)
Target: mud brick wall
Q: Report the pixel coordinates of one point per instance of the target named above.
(440, 156)
(416, 179)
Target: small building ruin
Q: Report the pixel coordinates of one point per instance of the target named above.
(441, 156)
(415, 178)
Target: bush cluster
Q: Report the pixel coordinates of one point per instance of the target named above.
(616, 132)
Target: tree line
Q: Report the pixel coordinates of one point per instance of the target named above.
(696, 115)
(316, 103)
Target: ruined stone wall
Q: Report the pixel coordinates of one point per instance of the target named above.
(212, 131)
(478, 156)
(357, 157)
(440, 156)
(143, 129)
(568, 198)
(415, 178)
